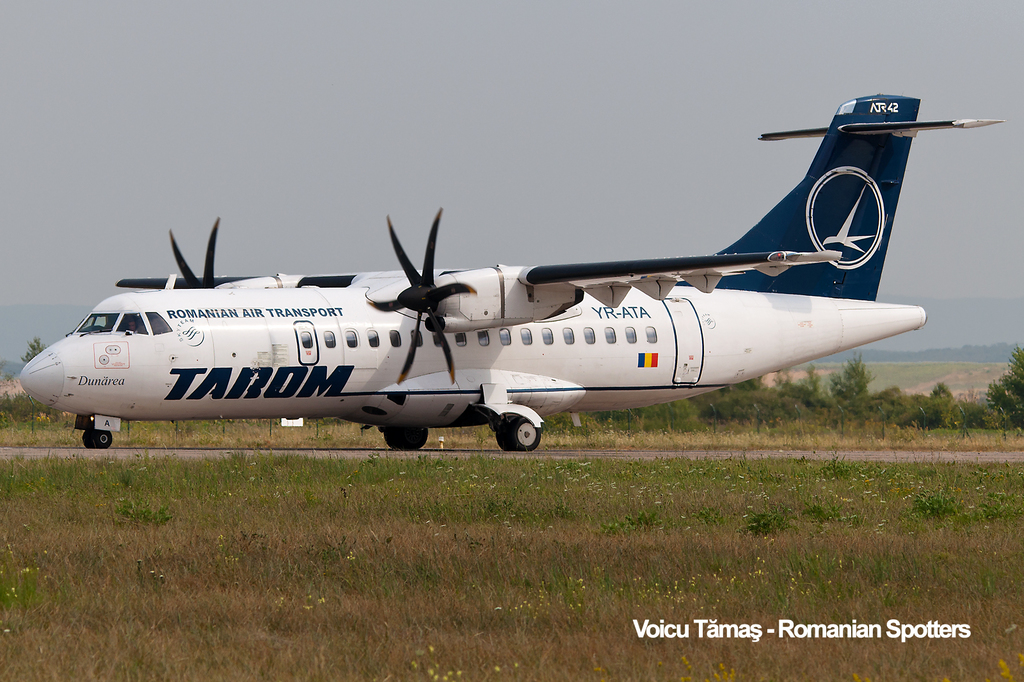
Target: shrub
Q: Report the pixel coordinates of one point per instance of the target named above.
(139, 513)
(645, 520)
(770, 521)
(935, 505)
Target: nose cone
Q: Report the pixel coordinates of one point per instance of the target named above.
(43, 377)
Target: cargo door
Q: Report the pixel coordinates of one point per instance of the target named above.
(689, 340)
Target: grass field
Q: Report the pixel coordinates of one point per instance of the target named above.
(269, 567)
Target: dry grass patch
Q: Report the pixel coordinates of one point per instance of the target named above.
(481, 568)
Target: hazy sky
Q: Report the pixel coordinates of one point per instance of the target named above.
(550, 132)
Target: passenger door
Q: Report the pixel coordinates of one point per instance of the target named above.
(307, 343)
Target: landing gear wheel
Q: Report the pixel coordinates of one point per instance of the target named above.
(518, 434)
(96, 439)
(501, 436)
(404, 438)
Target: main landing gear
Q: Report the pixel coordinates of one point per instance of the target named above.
(404, 438)
(516, 433)
(96, 439)
(513, 433)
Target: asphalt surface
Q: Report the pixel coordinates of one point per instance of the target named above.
(822, 455)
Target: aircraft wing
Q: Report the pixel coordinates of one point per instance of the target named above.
(279, 281)
(176, 282)
(610, 281)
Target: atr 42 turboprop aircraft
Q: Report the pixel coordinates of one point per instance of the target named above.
(507, 345)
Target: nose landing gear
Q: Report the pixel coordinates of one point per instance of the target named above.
(97, 439)
(94, 438)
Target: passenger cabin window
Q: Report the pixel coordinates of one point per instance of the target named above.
(307, 339)
(568, 336)
(630, 335)
(652, 335)
(548, 336)
(158, 324)
(505, 336)
(372, 338)
(132, 323)
(437, 339)
(609, 335)
(460, 339)
(396, 338)
(527, 336)
(98, 322)
(329, 340)
(351, 340)
(588, 335)
(484, 338)
(418, 337)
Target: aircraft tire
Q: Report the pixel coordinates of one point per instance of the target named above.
(87, 438)
(102, 439)
(518, 434)
(501, 435)
(404, 438)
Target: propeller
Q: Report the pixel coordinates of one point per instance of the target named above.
(423, 297)
(186, 272)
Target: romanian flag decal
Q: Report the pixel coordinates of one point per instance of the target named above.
(647, 360)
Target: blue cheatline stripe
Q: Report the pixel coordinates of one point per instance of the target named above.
(663, 387)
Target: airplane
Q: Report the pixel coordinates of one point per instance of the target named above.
(506, 346)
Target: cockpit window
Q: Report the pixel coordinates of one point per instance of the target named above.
(98, 322)
(158, 323)
(132, 322)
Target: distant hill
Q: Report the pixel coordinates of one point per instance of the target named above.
(998, 352)
(962, 378)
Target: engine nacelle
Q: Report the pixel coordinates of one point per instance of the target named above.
(501, 300)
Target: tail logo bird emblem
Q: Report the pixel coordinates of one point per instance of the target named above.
(829, 228)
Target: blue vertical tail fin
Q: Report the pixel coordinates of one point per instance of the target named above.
(846, 202)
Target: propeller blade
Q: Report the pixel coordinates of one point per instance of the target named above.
(186, 271)
(422, 296)
(210, 248)
(412, 349)
(410, 271)
(387, 306)
(428, 259)
(438, 294)
(444, 345)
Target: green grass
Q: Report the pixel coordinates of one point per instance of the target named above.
(498, 568)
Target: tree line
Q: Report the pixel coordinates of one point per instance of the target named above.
(842, 399)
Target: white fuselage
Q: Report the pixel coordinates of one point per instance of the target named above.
(240, 353)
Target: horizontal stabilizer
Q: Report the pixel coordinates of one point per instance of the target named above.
(911, 128)
(900, 129)
(793, 134)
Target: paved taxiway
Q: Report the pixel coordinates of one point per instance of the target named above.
(823, 455)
